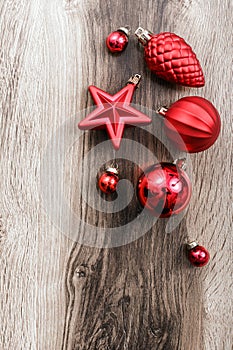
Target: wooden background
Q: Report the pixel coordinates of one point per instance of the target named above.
(54, 293)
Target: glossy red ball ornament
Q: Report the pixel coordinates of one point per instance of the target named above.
(108, 181)
(171, 58)
(164, 189)
(118, 40)
(192, 123)
(197, 254)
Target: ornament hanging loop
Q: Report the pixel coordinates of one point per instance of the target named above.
(112, 168)
(162, 110)
(143, 35)
(126, 29)
(181, 163)
(192, 245)
(135, 80)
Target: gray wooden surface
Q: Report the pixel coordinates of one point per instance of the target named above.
(55, 293)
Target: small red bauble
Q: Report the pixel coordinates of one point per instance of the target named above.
(164, 189)
(198, 255)
(108, 181)
(171, 58)
(192, 123)
(118, 40)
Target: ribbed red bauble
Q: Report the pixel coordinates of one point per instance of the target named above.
(108, 181)
(171, 58)
(118, 40)
(192, 123)
(197, 254)
(164, 189)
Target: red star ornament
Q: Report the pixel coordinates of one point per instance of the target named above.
(114, 112)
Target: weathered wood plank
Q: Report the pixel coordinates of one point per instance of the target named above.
(57, 294)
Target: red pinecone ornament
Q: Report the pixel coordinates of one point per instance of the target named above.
(171, 58)
(192, 123)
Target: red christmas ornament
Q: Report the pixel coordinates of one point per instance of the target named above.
(108, 181)
(118, 40)
(197, 255)
(114, 112)
(164, 189)
(171, 58)
(192, 123)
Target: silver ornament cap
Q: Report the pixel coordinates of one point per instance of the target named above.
(143, 35)
(192, 245)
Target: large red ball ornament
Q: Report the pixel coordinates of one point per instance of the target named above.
(192, 123)
(108, 181)
(164, 189)
(118, 40)
(171, 58)
(198, 255)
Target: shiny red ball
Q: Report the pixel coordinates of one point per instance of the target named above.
(117, 41)
(164, 190)
(198, 256)
(108, 182)
(192, 124)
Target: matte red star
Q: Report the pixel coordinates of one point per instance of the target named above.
(114, 113)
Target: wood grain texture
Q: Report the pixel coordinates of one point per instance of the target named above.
(57, 294)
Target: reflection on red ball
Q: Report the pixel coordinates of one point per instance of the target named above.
(108, 182)
(164, 190)
(198, 256)
(117, 41)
